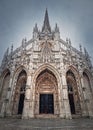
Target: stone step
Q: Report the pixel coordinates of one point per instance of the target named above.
(47, 116)
(46, 124)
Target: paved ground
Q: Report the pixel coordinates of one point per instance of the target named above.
(46, 124)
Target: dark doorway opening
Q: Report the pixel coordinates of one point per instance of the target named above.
(46, 104)
(72, 105)
(21, 103)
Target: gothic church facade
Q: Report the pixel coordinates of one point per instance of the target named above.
(46, 77)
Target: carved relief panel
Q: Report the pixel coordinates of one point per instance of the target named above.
(46, 51)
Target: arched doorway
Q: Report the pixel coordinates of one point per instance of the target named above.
(73, 94)
(5, 85)
(19, 96)
(46, 94)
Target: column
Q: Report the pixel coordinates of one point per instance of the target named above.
(61, 103)
(65, 98)
(27, 110)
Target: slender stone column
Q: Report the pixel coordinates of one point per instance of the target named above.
(65, 98)
(31, 110)
(61, 103)
(27, 111)
(83, 103)
(60, 98)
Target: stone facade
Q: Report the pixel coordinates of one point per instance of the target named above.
(46, 77)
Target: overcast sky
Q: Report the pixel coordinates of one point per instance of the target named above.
(18, 17)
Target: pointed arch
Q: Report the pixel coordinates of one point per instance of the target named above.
(19, 91)
(49, 67)
(46, 85)
(73, 92)
(74, 70)
(18, 70)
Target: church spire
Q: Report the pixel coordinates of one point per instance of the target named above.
(46, 25)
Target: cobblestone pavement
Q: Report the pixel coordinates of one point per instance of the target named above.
(46, 124)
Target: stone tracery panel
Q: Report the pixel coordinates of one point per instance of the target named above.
(46, 51)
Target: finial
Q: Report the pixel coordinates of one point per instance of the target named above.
(80, 47)
(7, 51)
(12, 48)
(36, 28)
(25, 40)
(69, 42)
(56, 28)
(85, 51)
